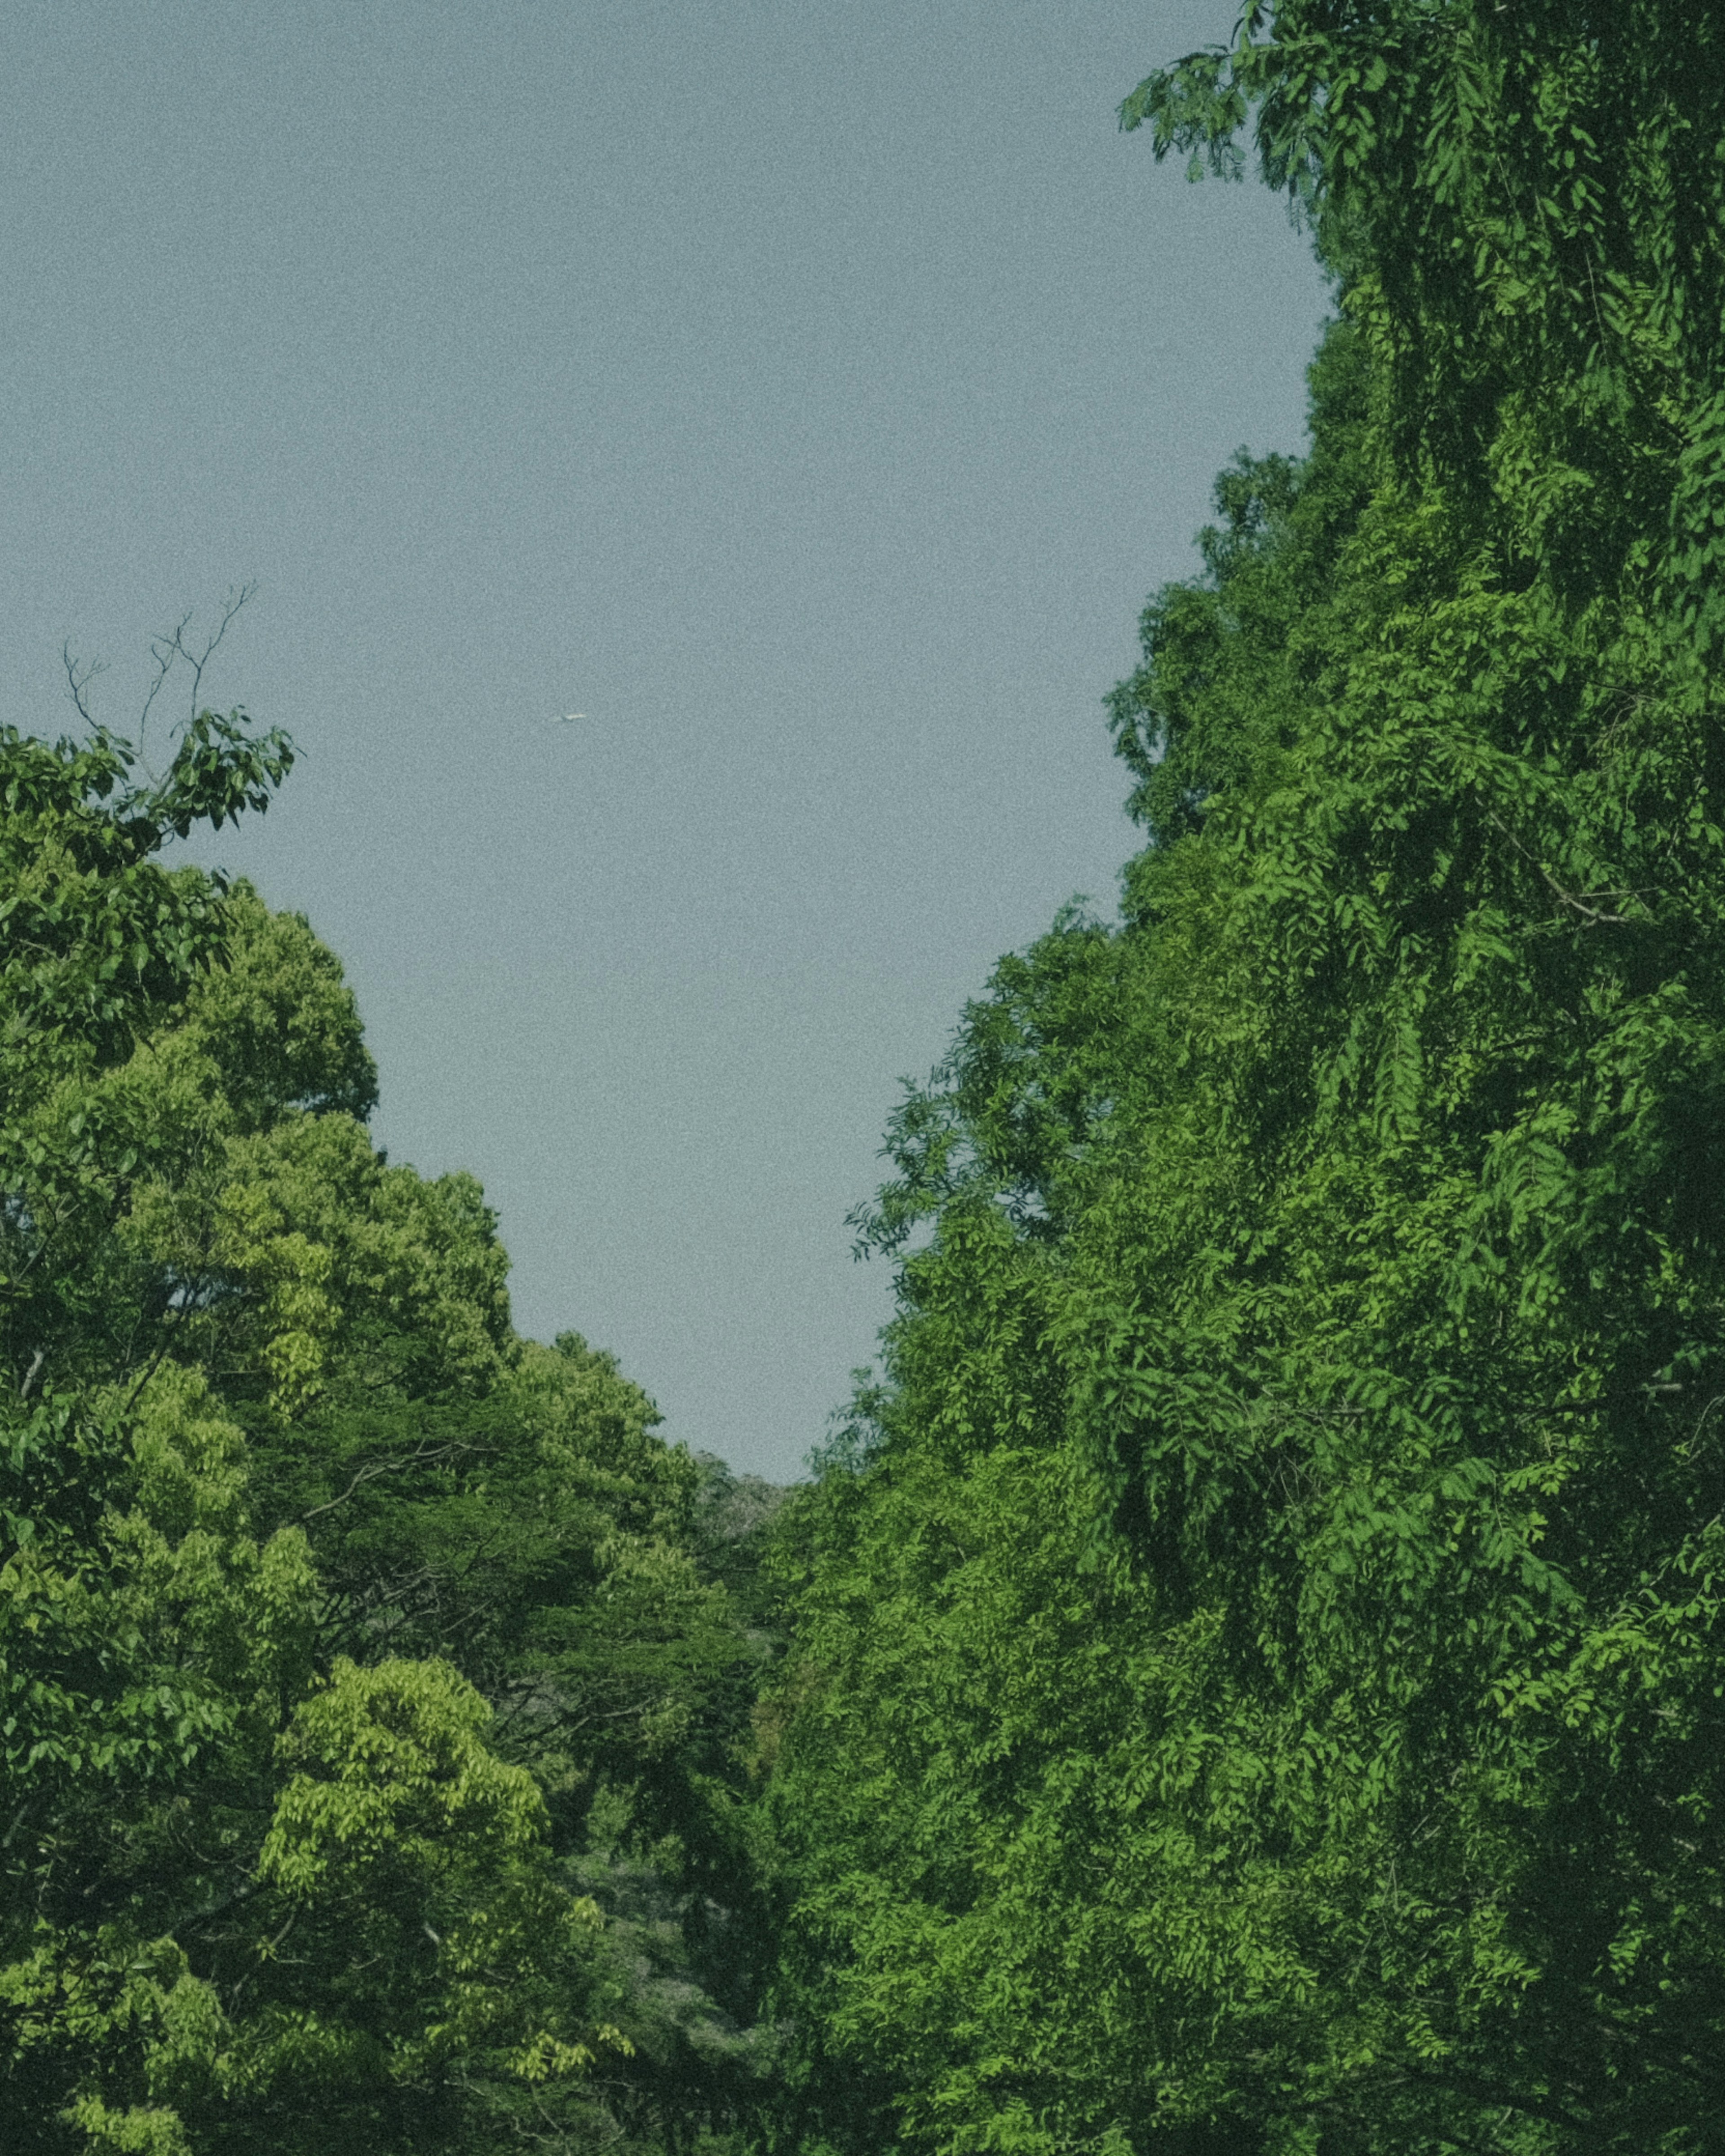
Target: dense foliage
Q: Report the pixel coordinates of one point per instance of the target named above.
(1258, 1679)
(371, 1686)
(1248, 1677)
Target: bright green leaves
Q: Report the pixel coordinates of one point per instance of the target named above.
(278, 1021)
(388, 1764)
(95, 932)
(414, 1865)
(276, 1874)
(101, 951)
(400, 1923)
(124, 1993)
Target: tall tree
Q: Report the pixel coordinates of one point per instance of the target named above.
(1325, 1273)
(354, 1651)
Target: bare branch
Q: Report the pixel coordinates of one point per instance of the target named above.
(368, 1470)
(79, 677)
(163, 650)
(1589, 904)
(236, 598)
(172, 649)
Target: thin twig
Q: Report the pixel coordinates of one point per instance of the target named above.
(1582, 901)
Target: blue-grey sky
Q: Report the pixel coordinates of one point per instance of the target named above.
(808, 394)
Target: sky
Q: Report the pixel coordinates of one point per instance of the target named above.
(809, 396)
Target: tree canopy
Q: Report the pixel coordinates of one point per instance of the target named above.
(1245, 1675)
(1256, 1676)
(368, 1695)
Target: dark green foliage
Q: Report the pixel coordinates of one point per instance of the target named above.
(1527, 203)
(1232, 662)
(1256, 1685)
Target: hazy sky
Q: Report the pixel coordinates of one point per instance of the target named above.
(809, 394)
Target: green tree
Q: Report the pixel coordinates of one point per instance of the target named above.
(354, 1649)
(1322, 1276)
(102, 949)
